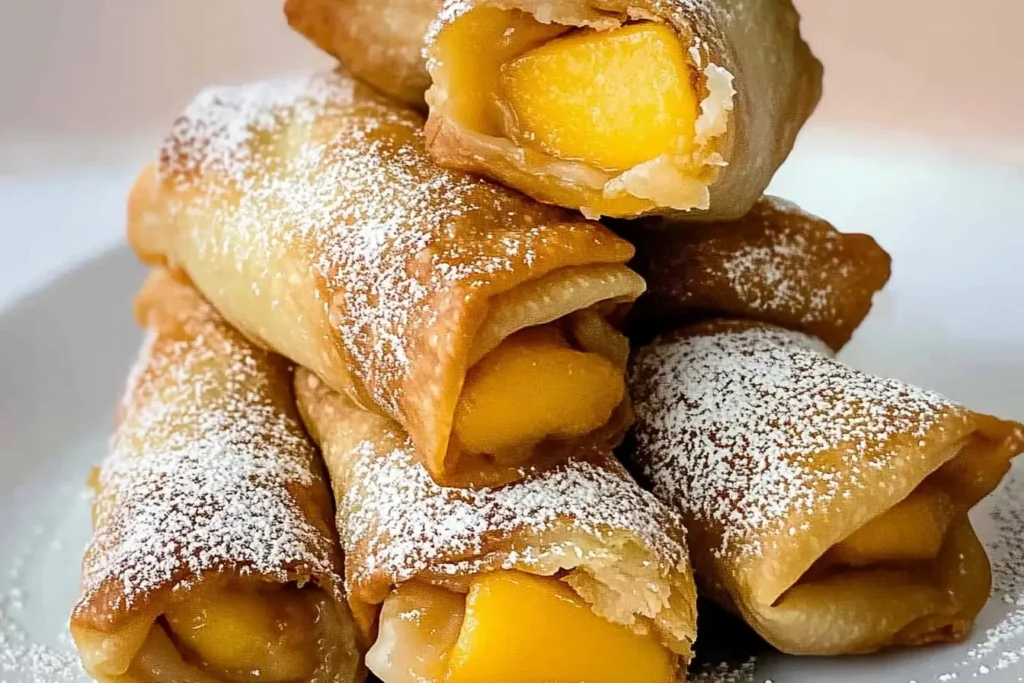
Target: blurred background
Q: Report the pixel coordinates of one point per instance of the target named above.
(922, 98)
(97, 78)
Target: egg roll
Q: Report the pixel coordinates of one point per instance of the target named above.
(778, 264)
(379, 41)
(826, 506)
(307, 212)
(622, 107)
(213, 557)
(573, 573)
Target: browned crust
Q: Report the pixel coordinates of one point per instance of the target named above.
(777, 265)
(380, 41)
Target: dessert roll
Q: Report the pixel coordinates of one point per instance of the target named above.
(307, 212)
(621, 107)
(826, 506)
(213, 556)
(777, 264)
(571, 574)
(380, 41)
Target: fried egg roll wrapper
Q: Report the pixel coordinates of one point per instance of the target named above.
(777, 264)
(826, 506)
(583, 531)
(306, 211)
(213, 555)
(621, 107)
(379, 41)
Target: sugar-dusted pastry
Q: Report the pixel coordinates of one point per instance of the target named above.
(307, 212)
(621, 107)
(380, 41)
(213, 558)
(826, 506)
(573, 574)
(777, 264)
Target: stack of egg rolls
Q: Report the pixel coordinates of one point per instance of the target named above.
(399, 263)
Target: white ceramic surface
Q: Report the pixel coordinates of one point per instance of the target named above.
(88, 86)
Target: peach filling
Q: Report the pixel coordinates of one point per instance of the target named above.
(242, 635)
(913, 529)
(534, 386)
(612, 99)
(510, 628)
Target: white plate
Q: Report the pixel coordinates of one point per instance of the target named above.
(952, 319)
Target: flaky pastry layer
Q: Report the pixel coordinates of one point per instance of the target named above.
(380, 41)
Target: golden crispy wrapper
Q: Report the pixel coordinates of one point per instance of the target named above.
(307, 212)
(211, 489)
(777, 264)
(757, 79)
(380, 41)
(585, 521)
(806, 485)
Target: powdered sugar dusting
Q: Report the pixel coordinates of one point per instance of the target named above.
(732, 425)
(326, 176)
(776, 264)
(199, 473)
(411, 524)
(1001, 646)
(725, 672)
(31, 662)
(780, 275)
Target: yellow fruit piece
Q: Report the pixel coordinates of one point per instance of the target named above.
(526, 629)
(245, 631)
(913, 529)
(613, 99)
(473, 48)
(419, 625)
(532, 387)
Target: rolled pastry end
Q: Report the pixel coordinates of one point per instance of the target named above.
(509, 627)
(572, 573)
(223, 633)
(518, 90)
(545, 373)
(915, 574)
(827, 506)
(212, 558)
(912, 575)
(926, 596)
